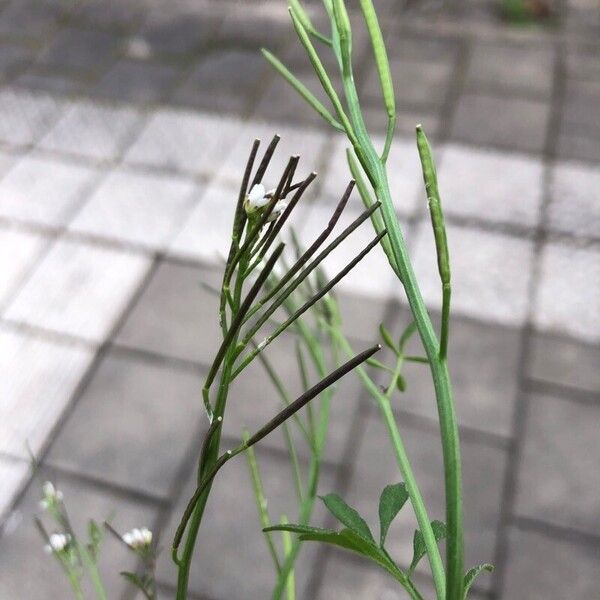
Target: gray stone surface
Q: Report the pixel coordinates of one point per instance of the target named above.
(142, 394)
(176, 316)
(566, 570)
(558, 478)
(504, 122)
(38, 577)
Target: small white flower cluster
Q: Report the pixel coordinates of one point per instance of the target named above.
(51, 495)
(258, 198)
(138, 539)
(57, 542)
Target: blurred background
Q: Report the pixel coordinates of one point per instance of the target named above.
(124, 128)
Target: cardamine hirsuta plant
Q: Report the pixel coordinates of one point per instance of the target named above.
(266, 291)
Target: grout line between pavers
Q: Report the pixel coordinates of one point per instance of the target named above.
(557, 532)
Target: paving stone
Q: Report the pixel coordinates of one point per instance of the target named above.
(490, 273)
(483, 472)
(44, 190)
(13, 474)
(484, 368)
(79, 290)
(82, 50)
(253, 401)
(18, 253)
(419, 82)
(7, 160)
(34, 368)
(567, 301)
(575, 202)
(28, 19)
(108, 14)
(264, 30)
(582, 61)
(504, 122)
(557, 360)
(347, 577)
(406, 120)
(186, 141)
(491, 186)
(177, 34)
(206, 234)
(14, 58)
(26, 571)
(420, 46)
(94, 131)
(176, 316)
(27, 115)
(309, 144)
(519, 68)
(556, 475)
(225, 80)
(580, 146)
(142, 208)
(231, 528)
(127, 398)
(581, 106)
(41, 79)
(568, 570)
(139, 82)
(404, 172)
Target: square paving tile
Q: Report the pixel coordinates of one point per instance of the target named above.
(27, 115)
(18, 253)
(578, 145)
(139, 82)
(404, 173)
(491, 186)
(556, 475)
(566, 571)
(504, 122)
(580, 110)
(309, 144)
(567, 301)
(44, 189)
(206, 234)
(13, 474)
(490, 273)
(94, 131)
(176, 316)
(79, 290)
(483, 362)
(38, 378)
(26, 571)
(483, 472)
(126, 399)
(562, 361)
(519, 68)
(231, 528)
(29, 19)
(136, 207)
(575, 203)
(84, 50)
(185, 141)
(224, 80)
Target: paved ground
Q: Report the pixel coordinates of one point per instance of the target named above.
(121, 139)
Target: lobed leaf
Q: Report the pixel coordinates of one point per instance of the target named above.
(392, 499)
(473, 573)
(347, 516)
(419, 548)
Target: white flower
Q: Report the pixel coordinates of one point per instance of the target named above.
(138, 538)
(279, 207)
(51, 495)
(57, 542)
(257, 198)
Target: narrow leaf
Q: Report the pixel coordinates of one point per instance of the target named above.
(401, 383)
(307, 23)
(419, 548)
(473, 573)
(344, 31)
(347, 515)
(302, 89)
(392, 499)
(387, 338)
(406, 335)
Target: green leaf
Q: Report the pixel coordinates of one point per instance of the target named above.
(347, 539)
(473, 573)
(142, 582)
(401, 383)
(301, 89)
(417, 359)
(347, 516)
(387, 338)
(392, 499)
(95, 535)
(307, 23)
(406, 335)
(419, 548)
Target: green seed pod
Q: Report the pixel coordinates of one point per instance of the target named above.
(344, 30)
